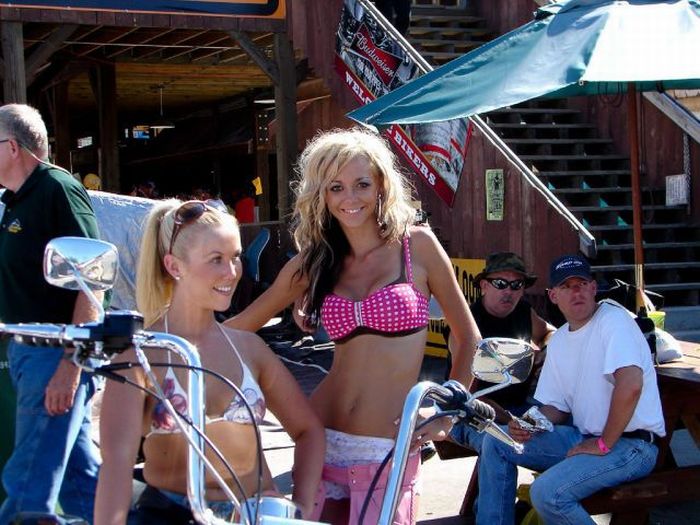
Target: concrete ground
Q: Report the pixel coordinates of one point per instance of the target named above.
(443, 482)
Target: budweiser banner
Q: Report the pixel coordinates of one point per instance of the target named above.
(236, 8)
(372, 63)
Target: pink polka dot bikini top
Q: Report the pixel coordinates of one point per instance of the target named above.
(396, 309)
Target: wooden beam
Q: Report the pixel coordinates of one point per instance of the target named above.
(270, 68)
(131, 19)
(61, 124)
(262, 162)
(104, 81)
(14, 79)
(676, 112)
(286, 114)
(38, 58)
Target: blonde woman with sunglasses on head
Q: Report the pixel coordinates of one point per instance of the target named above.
(366, 273)
(189, 267)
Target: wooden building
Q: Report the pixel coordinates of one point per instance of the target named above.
(106, 77)
(102, 73)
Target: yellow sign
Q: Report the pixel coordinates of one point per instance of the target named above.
(465, 270)
(494, 195)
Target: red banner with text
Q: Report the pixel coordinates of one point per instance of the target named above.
(371, 64)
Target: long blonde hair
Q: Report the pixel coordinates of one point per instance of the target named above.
(317, 235)
(154, 285)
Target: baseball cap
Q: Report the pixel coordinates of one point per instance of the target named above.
(569, 266)
(502, 261)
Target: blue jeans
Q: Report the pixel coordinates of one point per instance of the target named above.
(556, 493)
(54, 458)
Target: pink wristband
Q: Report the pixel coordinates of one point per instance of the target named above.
(602, 446)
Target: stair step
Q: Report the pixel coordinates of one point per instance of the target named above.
(565, 191)
(649, 245)
(440, 33)
(623, 227)
(624, 207)
(672, 287)
(429, 47)
(647, 266)
(610, 156)
(692, 336)
(533, 111)
(581, 173)
(555, 142)
(506, 125)
(682, 318)
(436, 6)
(424, 18)
(439, 58)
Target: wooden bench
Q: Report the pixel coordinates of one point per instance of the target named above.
(628, 503)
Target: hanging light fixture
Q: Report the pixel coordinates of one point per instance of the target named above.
(161, 122)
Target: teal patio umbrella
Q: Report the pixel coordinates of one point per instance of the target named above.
(571, 48)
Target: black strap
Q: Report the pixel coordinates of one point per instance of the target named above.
(644, 435)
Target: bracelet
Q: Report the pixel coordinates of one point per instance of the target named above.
(602, 446)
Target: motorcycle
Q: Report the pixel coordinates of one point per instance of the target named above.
(90, 265)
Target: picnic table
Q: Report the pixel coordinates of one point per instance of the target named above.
(679, 387)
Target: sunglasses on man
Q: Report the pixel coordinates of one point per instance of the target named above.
(502, 284)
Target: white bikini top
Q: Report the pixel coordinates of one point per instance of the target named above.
(162, 422)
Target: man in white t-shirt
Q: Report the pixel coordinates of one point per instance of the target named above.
(598, 387)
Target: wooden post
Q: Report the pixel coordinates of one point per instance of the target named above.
(15, 80)
(262, 163)
(632, 123)
(104, 85)
(61, 125)
(285, 104)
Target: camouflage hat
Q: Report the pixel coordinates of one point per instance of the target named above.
(506, 261)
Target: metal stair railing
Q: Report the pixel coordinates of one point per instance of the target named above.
(587, 243)
(680, 115)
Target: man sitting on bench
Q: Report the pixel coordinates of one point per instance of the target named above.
(501, 311)
(599, 376)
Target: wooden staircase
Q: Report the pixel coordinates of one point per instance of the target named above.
(581, 168)
(440, 31)
(586, 173)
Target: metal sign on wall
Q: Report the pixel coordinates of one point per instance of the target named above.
(236, 8)
(494, 195)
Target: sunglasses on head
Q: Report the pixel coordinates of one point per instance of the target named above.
(502, 284)
(190, 211)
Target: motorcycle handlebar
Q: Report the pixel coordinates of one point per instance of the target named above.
(118, 331)
(449, 396)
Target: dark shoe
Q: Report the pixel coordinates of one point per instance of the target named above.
(427, 451)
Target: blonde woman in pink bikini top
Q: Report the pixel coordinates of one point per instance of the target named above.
(366, 273)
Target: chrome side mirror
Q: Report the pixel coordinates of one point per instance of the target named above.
(503, 361)
(78, 263)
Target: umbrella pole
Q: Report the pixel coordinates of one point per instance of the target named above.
(636, 197)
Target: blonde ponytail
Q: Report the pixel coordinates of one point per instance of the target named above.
(154, 286)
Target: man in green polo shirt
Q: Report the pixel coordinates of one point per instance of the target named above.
(54, 458)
